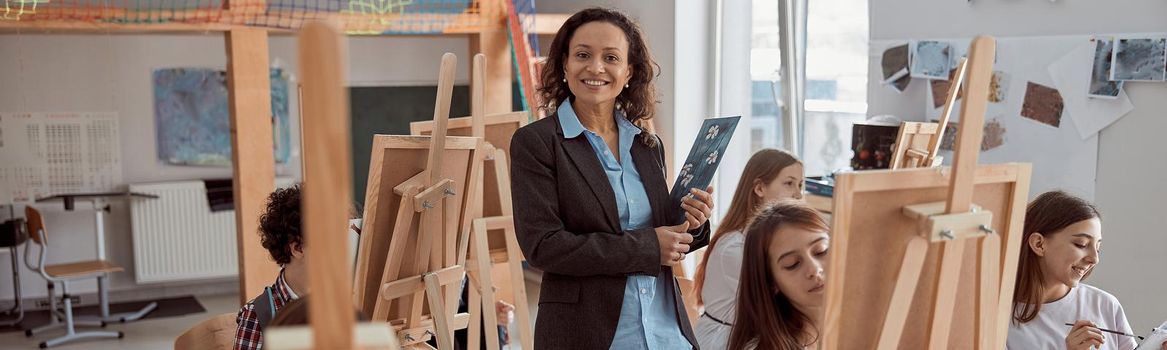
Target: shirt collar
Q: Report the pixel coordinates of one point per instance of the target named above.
(572, 127)
(283, 289)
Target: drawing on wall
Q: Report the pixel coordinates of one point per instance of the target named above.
(940, 90)
(1042, 104)
(931, 60)
(192, 120)
(1071, 77)
(1100, 84)
(999, 87)
(895, 68)
(994, 135)
(1140, 60)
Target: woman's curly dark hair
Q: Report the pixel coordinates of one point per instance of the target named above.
(279, 226)
(638, 101)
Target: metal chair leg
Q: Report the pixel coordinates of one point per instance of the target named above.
(106, 317)
(71, 333)
(53, 322)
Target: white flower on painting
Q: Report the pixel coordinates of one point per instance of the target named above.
(713, 130)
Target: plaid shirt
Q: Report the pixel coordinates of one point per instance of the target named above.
(248, 336)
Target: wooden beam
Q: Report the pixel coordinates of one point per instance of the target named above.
(249, 96)
(968, 142)
(54, 19)
(326, 196)
(492, 42)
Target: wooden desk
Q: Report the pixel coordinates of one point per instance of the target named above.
(69, 198)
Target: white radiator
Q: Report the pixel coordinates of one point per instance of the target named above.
(178, 238)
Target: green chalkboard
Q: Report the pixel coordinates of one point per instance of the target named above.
(388, 110)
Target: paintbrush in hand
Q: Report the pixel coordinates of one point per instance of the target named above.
(1112, 332)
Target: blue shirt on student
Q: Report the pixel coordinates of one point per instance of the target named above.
(648, 320)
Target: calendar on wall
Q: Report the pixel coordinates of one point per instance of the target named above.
(50, 153)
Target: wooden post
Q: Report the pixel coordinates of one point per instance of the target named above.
(249, 95)
(492, 42)
(325, 206)
(964, 164)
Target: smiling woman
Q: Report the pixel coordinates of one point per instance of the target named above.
(1062, 245)
(591, 206)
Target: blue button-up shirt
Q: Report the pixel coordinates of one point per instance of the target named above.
(647, 320)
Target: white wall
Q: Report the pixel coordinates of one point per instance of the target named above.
(656, 19)
(113, 73)
(1129, 181)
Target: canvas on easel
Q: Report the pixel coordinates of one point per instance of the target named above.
(418, 195)
(926, 258)
(911, 146)
(492, 242)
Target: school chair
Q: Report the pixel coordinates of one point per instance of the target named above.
(65, 273)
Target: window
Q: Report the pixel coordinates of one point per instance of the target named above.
(836, 80)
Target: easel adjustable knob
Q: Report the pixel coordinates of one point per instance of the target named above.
(938, 227)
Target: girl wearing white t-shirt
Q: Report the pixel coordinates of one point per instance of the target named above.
(1061, 245)
(770, 175)
(780, 298)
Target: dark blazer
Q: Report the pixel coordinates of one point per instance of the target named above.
(568, 226)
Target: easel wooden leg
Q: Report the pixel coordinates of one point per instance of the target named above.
(481, 256)
(945, 302)
(522, 309)
(441, 319)
(473, 302)
(905, 289)
(426, 245)
(437, 311)
(397, 248)
(988, 270)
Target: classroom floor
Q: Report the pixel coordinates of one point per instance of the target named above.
(150, 334)
(160, 333)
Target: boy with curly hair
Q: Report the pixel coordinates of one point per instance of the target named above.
(279, 227)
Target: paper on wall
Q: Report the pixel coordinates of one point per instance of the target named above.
(1071, 76)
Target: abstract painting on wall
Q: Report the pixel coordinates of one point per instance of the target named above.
(192, 120)
(930, 59)
(1100, 84)
(1043, 104)
(1140, 60)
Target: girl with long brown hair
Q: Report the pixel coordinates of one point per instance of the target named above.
(769, 175)
(780, 299)
(1060, 247)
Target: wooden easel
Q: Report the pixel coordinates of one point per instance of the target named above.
(491, 236)
(417, 204)
(912, 225)
(917, 144)
(325, 205)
